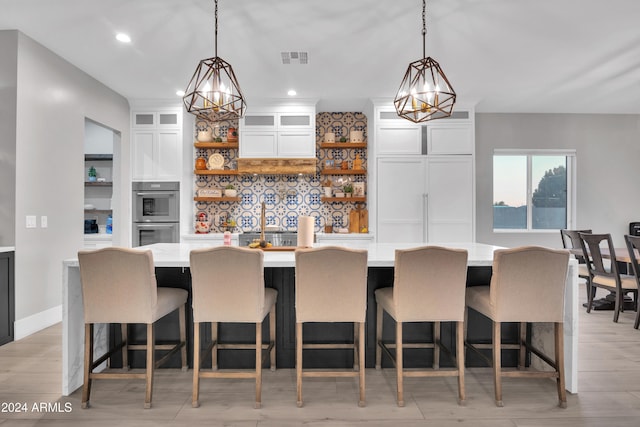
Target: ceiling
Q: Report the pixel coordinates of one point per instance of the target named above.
(575, 56)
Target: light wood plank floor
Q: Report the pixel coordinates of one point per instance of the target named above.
(609, 384)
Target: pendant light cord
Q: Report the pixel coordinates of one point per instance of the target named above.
(215, 34)
(424, 28)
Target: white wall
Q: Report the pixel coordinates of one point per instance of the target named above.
(607, 152)
(53, 100)
(8, 81)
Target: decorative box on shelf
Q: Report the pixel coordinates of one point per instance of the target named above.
(209, 192)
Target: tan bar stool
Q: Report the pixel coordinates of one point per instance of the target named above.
(429, 286)
(331, 286)
(228, 286)
(527, 285)
(119, 286)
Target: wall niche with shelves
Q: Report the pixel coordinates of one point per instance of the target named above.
(98, 191)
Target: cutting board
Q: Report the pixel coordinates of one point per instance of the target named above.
(358, 219)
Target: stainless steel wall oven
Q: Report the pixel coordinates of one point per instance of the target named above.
(156, 213)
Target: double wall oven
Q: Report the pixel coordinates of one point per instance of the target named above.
(156, 213)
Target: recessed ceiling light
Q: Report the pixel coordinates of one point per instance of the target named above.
(180, 93)
(292, 92)
(124, 38)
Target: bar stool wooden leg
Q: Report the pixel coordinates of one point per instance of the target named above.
(436, 345)
(183, 337)
(299, 364)
(460, 361)
(272, 337)
(196, 365)
(361, 346)
(150, 365)
(559, 349)
(522, 352)
(258, 403)
(88, 361)
(497, 361)
(125, 349)
(356, 358)
(214, 350)
(399, 364)
(379, 322)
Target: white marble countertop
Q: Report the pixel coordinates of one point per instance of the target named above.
(344, 236)
(7, 249)
(98, 237)
(379, 254)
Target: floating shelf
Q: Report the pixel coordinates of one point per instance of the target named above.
(343, 145)
(98, 184)
(220, 145)
(99, 211)
(343, 172)
(98, 157)
(344, 199)
(216, 199)
(216, 172)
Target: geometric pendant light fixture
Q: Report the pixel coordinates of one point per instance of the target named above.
(425, 92)
(213, 93)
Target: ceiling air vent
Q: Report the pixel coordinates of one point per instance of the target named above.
(294, 58)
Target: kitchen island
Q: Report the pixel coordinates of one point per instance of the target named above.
(172, 263)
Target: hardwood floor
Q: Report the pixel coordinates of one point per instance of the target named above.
(609, 384)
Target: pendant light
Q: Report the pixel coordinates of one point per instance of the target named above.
(425, 92)
(214, 93)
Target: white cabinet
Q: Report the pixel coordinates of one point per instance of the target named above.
(156, 146)
(425, 199)
(277, 132)
(450, 138)
(396, 136)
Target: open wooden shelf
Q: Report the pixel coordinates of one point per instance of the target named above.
(343, 145)
(216, 172)
(98, 184)
(344, 172)
(221, 145)
(344, 199)
(216, 199)
(98, 211)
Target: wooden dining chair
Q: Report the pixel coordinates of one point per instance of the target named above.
(633, 246)
(603, 277)
(571, 241)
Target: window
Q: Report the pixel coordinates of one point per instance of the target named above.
(533, 190)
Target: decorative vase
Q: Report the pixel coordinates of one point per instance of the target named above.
(205, 135)
(201, 164)
(232, 135)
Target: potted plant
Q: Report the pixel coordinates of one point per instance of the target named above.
(230, 191)
(348, 189)
(92, 174)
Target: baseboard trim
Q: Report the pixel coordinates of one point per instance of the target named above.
(37, 322)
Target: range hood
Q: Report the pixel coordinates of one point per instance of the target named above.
(271, 166)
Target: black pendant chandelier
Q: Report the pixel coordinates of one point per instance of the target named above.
(425, 92)
(214, 93)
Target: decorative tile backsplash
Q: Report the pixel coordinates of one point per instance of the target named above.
(286, 196)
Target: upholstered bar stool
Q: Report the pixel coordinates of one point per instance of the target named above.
(119, 286)
(429, 286)
(331, 286)
(527, 285)
(227, 284)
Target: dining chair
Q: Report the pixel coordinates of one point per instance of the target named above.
(633, 246)
(571, 241)
(604, 277)
(330, 287)
(227, 285)
(527, 285)
(428, 286)
(119, 286)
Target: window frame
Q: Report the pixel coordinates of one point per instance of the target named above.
(571, 187)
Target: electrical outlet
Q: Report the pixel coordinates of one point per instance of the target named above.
(31, 221)
(44, 221)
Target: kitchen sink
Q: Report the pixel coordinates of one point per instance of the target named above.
(277, 238)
